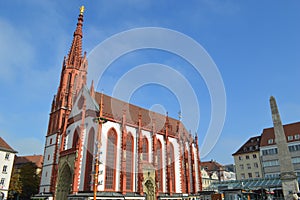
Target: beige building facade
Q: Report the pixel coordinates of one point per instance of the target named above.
(247, 160)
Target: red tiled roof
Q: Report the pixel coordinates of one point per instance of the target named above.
(212, 166)
(289, 130)
(4, 146)
(36, 159)
(252, 145)
(113, 109)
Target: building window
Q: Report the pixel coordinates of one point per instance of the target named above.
(294, 148)
(2, 181)
(269, 151)
(89, 159)
(254, 156)
(4, 169)
(50, 141)
(296, 160)
(290, 137)
(248, 166)
(129, 163)
(159, 166)
(270, 141)
(273, 175)
(145, 149)
(247, 157)
(242, 176)
(171, 163)
(48, 157)
(270, 163)
(111, 153)
(241, 166)
(257, 175)
(240, 158)
(250, 175)
(255, 165)
(297, 136)
(75, 138)
(6, 156)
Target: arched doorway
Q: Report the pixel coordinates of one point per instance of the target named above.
(64, 183)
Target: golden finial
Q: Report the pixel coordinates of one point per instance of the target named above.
(81, 10)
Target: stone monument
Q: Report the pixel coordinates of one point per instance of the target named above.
(287, 173)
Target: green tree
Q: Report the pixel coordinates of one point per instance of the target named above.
(30, 180)
(15, 185)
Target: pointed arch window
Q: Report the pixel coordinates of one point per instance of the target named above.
(111, 153)
(171, 164)
(159, 166)
(75, 87)
(129, 163)
(75, 138)
(68, 89)
(89, 159)
(184, 189)
(68, 82)
(145, 149)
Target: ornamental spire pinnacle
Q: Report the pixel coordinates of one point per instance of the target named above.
(81, 10)
(74, 58)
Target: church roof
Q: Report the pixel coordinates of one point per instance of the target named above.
(5, 147)
(113, 109)
(291, 130)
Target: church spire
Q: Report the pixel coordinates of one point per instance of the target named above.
(75, 53)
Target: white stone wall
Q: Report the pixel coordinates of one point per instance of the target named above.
(6, 175)
(48, 163)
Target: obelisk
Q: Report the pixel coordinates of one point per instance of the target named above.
(287, 173)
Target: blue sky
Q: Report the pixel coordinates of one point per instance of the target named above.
(254, 44)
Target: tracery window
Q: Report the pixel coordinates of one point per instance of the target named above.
(129, 163)
(145, 149)
(159, 166)
(172, 166)
(111, 151)
(75, 138)
(89, 159)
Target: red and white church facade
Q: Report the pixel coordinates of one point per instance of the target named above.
(99, 147)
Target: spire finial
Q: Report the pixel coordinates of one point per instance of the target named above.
(81, 10)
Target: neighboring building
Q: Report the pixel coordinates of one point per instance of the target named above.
(26, 176)
(222, 172)
(134, 152)
(247, 160)
(7, 155)
(37, 160)
(269, 152)
(208, 179)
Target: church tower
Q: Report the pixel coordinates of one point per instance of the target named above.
(72, 78)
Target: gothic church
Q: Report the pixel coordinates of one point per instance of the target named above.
(98, 147)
